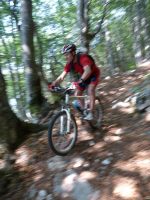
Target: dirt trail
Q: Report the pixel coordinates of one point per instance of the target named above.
(113, 164)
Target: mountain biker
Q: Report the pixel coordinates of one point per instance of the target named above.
(88, 71)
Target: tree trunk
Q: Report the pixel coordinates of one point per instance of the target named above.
(141, 32)
(13, 131)
(84, 23)
(17, 82)
(33, 86)
(86, 35)
(109, 51)
(144, 28)
(119, 46)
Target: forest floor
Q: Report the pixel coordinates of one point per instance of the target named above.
(112, 164)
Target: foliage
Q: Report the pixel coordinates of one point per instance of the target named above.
(56, 23)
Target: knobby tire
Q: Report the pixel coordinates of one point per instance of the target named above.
(53, 132)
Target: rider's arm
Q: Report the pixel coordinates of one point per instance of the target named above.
(60, 78)
(87, 72)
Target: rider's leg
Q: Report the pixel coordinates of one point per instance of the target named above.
(79, 93)
(91, 94)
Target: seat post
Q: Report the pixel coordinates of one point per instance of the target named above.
(67, 99)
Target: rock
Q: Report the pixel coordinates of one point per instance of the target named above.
(31, 192)
(119, 131)
(77, 162)
(86, 164)
(56, 163)
(148, 110)
(91, 143)
(49, 197)
(107, 161)
(68, 182)
(97, 160)
(107, 78)
(41, 195)
(143, 100)
(57, 184)
(83, 190)
(74, 187)
(121, 105)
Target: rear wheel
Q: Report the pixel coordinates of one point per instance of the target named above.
(59, 140)
(97, 114)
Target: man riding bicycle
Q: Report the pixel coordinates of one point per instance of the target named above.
(88, 71)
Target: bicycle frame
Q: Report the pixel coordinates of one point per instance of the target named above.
(68, 110)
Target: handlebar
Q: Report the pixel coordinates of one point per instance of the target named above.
(60, 90)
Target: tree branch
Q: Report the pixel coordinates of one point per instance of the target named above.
(99, 26)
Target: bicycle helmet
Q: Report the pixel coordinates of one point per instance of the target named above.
(69, 48)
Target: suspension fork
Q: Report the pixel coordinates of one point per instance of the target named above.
(67, 111)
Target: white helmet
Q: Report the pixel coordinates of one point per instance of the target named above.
(69, 48)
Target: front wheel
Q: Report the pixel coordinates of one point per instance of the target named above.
(59, 140)
(97, 114)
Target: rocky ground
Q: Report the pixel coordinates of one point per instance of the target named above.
(111, 164)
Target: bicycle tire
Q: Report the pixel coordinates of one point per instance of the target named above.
(96, 123)
(54, 131)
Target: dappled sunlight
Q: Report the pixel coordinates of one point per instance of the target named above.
(124, 107)
(84, 134)
(68, 182)
(24, 161)
(117, 130)
(112, 138)
(2, 164)
(99, 145)
(87, 175)
(122, 89)
(125, 188)
(104, 93)
(143, 154)
(76, 162)
(112, 92)
(38, 175)
(145, 64)
(125, 81)
(147, 117)
(141, 76)
(121, 104)
(126, 165)
(140, 163)
(143, 164)
(23, 156)
(129, 110)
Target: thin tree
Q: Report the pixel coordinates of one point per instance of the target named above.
(86, 34)
(33, 85)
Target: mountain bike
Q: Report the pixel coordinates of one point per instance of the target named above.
(63, 129)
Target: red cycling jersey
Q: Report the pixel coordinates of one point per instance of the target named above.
(84, 61)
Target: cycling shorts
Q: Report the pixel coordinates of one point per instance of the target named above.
(93, 79)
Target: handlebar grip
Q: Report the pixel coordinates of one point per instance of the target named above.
(50, 86)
